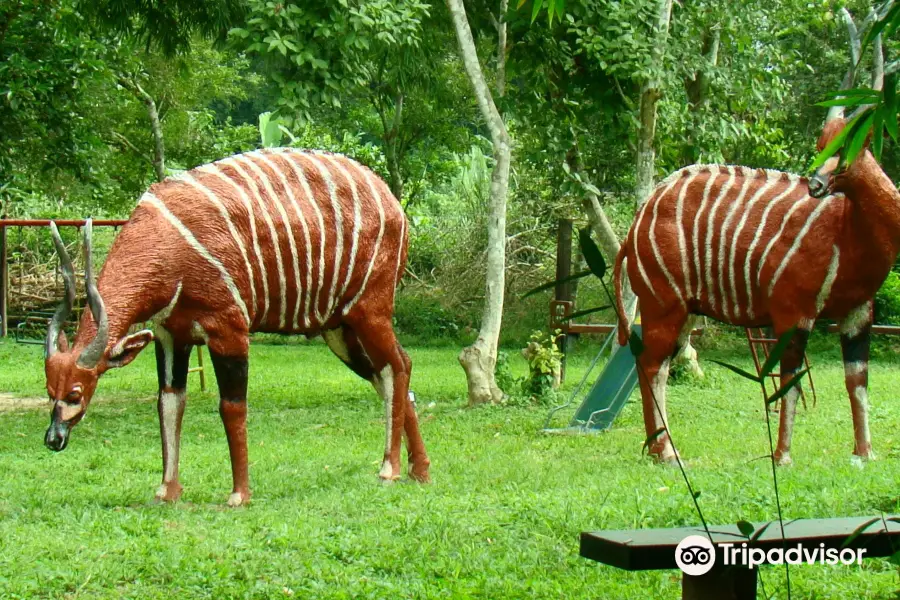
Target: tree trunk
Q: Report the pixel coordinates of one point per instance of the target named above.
(159, 154)
(696, 87)
(479, 360)
(392, 149)
(600, 225)
(645, 168)
(501, 49)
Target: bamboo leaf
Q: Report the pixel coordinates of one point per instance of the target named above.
(592, 255)
(783, 390)
(553, 284)
(521, 4)
(853, 92)
(746, 528)
(737, 370)
(832, 147)
(861, 132)
(587, 311)
(777, 352)
(652, 437)
(635, 344)
(852, 101)
(536, 9)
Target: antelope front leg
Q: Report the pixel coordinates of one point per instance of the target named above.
(855, 337)
(172, 371)
(791, 361)
(231, 373)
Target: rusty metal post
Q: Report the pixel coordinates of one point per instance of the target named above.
(4, 284)
(563, 291)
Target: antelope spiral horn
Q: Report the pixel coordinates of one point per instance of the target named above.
(92, 353)
(65, 307)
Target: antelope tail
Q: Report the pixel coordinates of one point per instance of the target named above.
(624, 328)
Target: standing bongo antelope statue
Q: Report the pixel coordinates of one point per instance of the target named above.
(753, 247)
(276, 241)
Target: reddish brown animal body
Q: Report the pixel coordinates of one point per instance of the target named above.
(751, 247)
(275, 240)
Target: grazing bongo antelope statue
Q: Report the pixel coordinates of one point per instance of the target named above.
(278, 241)
(752, 247)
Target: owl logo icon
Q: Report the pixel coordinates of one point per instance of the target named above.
(695, 555)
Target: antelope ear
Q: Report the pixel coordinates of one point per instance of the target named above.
(62, 342)
(127, 349)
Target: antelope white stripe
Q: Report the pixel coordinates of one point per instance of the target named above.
(723, 191)
(637, 256)
(784, 221)
(856, 320)
(760, 230)
(243, 159)
(400, 244)
(655, 246)
(301, 176)
(357, 222)
(798, 240)
(830, 276)
(747, 174)
(338, 228)
(187, 178)
(290, 193)
(245, 200)
(679, 217)
(377, 197)
(198, 247)
(770, 183)
(856, 367)
(713, 175)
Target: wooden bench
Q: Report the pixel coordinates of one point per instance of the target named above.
(654, 549)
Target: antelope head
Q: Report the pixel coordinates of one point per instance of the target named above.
(829, 178)
(72, 372)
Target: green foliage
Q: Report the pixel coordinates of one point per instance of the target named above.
(887, 301)
(316, 52)
(169, 25)
(422, 318)
(544, 364)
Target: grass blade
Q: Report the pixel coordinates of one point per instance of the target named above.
(592, 255)
(737, 370)
(553, 284)
(795, 380)
(777, 352)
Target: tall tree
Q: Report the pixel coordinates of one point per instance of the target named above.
(651, 92)
(480, 359)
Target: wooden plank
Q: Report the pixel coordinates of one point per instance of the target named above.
(60, 222)
(876, 329)
(654, 549)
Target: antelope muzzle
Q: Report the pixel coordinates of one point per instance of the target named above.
(57, 436)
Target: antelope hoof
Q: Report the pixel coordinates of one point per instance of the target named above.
(388, 473)
(860, 460)
(783, 459)
(168, 492)
(239, 499)
(419, 471)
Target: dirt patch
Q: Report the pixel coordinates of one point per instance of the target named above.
(9, 403)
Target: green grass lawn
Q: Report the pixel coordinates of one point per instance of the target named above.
(500, 520)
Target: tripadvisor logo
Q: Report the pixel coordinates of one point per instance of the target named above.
(695, 555)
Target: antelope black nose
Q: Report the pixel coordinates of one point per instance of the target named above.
(57, 436)
(817, 187)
